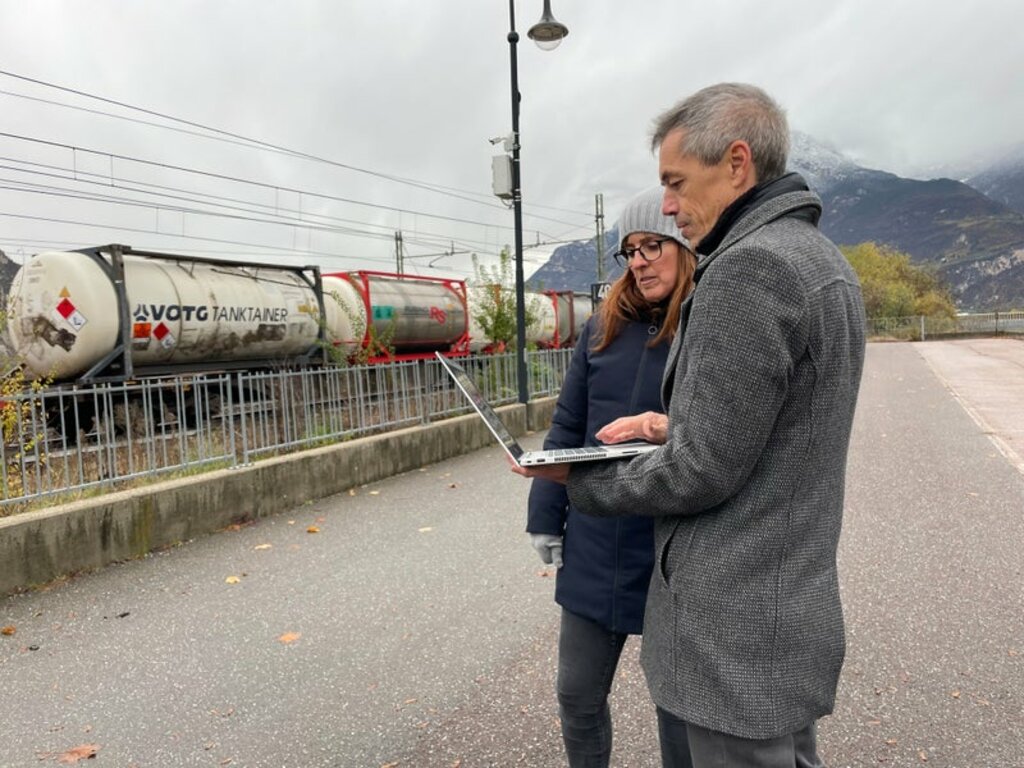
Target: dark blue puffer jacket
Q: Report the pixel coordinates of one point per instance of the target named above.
(607, 560)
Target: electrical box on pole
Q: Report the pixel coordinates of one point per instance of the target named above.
(599, 220)
(501, 176)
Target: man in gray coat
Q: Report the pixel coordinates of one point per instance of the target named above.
(743, 637)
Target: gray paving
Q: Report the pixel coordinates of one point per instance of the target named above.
(416, 628)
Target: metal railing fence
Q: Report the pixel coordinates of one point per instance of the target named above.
(921, 328)
(74, 441)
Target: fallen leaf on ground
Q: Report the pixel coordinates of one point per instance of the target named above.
(955, 694)
(312, 529)
(289, 637)
(426, 530)
(8, 630)
(922, 755)
(375, 493)
(232, 580)
(81, 752)
(390, 765)
(351, 491)
(263, 546)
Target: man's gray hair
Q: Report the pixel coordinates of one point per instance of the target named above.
(716, 116)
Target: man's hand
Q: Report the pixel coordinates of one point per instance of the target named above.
(549, 547)
(649, 426)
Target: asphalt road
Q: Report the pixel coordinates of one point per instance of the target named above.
(415, 626)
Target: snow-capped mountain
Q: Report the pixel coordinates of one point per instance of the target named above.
(1003, 181)
(975, 243)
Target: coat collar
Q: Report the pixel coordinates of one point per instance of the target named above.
(795, 201)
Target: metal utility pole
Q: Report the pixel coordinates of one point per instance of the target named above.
(599, 220)
(547, 33)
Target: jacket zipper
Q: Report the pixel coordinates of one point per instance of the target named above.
(651, 331)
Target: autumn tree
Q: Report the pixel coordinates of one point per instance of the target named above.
(893, 287)
(494, 300)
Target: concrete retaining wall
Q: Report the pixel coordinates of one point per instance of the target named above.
(37, 547)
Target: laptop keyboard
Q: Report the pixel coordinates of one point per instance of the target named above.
(572, 453)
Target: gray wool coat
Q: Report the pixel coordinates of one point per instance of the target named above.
(744, 630)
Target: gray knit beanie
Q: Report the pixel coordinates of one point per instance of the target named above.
(643, 214)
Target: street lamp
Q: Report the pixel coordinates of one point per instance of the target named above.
(547, 33)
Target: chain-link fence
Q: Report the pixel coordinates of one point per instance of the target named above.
(73, 441)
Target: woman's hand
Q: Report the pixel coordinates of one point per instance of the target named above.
(649, 426)
(558, 473)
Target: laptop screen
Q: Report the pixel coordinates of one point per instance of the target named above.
(470, 389)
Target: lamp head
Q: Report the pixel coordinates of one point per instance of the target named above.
(547, 33)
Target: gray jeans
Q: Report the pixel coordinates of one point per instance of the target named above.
(587, 657)
(684, 745)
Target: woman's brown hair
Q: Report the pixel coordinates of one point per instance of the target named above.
(624, 303)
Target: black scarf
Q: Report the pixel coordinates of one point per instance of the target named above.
(748, 201)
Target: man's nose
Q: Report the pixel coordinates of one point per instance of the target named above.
(668, 204)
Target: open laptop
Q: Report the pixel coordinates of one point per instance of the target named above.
(533, 458)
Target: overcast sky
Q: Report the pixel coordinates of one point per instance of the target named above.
(413, 89)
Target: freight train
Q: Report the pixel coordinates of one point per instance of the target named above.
(114, 313)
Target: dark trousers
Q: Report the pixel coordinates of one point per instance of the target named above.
(587, 657)
(684, 745)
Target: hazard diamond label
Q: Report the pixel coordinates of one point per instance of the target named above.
(68, 312)
(164, 336)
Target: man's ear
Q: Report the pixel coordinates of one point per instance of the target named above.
(741, 165)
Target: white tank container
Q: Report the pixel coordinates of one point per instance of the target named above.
(63, 313)
(478, 340)
(345, 319)
(545, 324)
(581, 311)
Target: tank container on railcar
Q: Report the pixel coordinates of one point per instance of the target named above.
(63, 312)
(582, 309)
(412, 314)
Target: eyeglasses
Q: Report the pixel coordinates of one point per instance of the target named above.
(650, 250)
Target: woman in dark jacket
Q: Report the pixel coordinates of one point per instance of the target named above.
(604, 564)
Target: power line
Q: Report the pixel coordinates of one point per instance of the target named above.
(236, 138)
(303, 219)
(260, 184)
